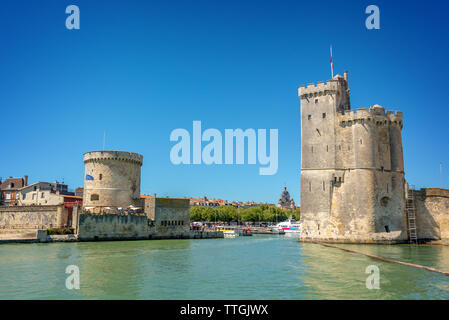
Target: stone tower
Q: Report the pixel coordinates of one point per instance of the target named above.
(111, 179)
(352, 170)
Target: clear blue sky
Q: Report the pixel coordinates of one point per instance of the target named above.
(139, 69)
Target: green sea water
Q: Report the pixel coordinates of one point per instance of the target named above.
(258, 267)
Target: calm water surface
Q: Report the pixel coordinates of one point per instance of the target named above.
(258, 267)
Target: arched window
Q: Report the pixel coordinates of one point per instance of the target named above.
(101, 177)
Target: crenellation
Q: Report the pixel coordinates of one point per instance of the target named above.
(366, 115)
(320, 88)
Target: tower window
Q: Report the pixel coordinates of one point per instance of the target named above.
(101, 176)
(361, 141)
(309, 117)
(324, 115)
(310, 186)
(327, 148)
(94, 197)
(324, 186)
(316, 100)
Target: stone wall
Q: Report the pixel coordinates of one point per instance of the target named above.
(432, 214)
(164, 218)
(17, 219)
(113, 227)
(171, 217)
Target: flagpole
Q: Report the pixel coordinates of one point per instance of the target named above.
(104, 139)
(332, 65)
(441, 173)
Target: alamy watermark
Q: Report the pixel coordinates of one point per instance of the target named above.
(212, 153)
(73, 20)
(73, 280)
(373, 280)
(373, 20)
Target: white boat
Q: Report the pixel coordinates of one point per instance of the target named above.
(289, 226)
(228, 233)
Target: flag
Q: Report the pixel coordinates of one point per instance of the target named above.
(89, 177)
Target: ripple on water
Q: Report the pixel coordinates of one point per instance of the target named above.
(258, 267)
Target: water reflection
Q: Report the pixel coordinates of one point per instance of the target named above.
(343, 274)
(258, 267)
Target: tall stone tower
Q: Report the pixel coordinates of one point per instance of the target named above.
(111, 179)
(352, 170)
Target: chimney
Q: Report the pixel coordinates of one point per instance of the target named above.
(25, 183)
(346, 76)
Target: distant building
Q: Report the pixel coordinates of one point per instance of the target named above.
(205, 202)
(45, 193)
(9, 189)
(79, 192)
(285, 202)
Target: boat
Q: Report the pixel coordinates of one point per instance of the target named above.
(288, 226)
(228, 233)
(245, 232)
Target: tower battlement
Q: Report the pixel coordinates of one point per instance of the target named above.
(375, 114)
(319, 89)
(125, 156)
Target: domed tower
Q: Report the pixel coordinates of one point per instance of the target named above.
(285, 202)
(111, 179)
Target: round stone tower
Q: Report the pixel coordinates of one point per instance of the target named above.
(111, 179)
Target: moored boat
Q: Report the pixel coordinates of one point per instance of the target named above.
(288, 226)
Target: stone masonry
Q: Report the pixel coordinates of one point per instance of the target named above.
(352, 169)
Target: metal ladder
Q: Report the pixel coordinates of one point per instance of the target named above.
(411, 214)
